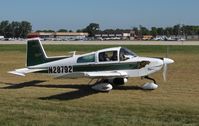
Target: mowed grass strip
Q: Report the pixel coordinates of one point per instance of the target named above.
(41, 100)
(88, 48)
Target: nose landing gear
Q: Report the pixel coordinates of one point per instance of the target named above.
(149, 85)
(149, 78)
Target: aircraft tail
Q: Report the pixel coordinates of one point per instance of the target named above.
(35, 56)
(35, 52)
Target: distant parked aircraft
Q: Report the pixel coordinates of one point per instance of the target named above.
(1, 37)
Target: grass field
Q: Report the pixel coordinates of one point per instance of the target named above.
(41, 100)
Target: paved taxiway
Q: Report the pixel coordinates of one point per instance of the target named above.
(110, 42)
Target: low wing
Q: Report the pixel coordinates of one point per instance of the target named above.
(100, 74)
(107, 74)
(23, 71)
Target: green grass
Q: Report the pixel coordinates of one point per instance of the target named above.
(88, 48)
(41, 100)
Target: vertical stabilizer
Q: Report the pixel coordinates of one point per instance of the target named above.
(35, 52)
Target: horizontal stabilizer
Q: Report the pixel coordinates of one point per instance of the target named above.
(23, 71)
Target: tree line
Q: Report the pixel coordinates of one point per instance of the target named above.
(91, 29)
(168, 31)
(15, 29)
(154, 31)
(49, 30)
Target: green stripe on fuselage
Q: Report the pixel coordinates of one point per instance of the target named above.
(102, 67)
(105, 67)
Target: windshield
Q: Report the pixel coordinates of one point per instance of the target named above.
(124, 52)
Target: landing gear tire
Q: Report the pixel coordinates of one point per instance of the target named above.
(102, 86)
(150, 85)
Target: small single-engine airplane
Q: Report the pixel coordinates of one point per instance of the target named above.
(111, 66)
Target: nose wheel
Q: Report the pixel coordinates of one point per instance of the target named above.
(149, 85)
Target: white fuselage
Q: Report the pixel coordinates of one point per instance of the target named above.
(154, 65)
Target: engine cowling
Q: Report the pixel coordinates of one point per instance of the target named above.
(119, 81)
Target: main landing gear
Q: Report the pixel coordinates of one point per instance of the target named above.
(102, 85)
(149, 85)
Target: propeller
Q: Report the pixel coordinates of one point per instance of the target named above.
(164, 73)
(166, 61)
